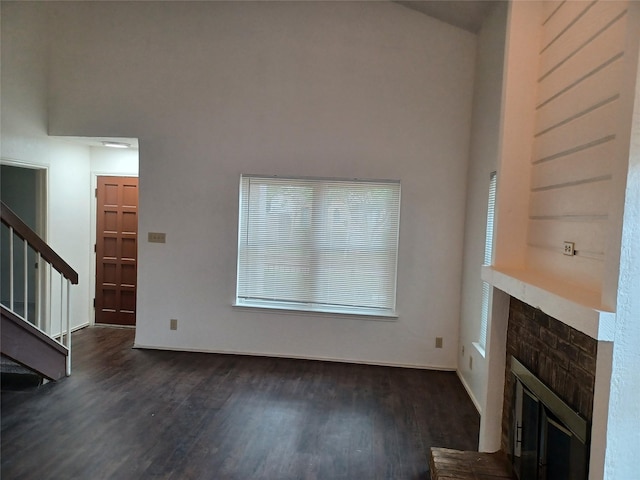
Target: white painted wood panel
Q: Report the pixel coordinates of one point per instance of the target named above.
(595, 89)
(580, 131)
(603, 49)
(593, 162)
(562, 19)
(591, 24)
(549, 8)
(517, 124)
(578, 137)
(588, 236)
(582, 272)
(589, 200)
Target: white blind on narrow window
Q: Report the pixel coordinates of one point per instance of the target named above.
(488, 258)
(491, 210)
(318, 243)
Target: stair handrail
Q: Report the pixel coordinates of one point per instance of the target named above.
(25, 232)
(47, 254)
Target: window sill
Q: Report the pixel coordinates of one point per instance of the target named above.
(371, 314)
(479, 348)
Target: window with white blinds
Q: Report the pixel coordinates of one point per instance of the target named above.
(488, 258)
(318, 244)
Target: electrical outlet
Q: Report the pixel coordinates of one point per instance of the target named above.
(569, 248)
(173, 324)
(438, 342)
(157, 237)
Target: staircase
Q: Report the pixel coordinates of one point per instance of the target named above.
(39, 339)
(14, 376)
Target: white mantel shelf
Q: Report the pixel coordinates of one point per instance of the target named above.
(579, 308)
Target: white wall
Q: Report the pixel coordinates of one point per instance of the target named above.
(483, 159)
(623, 448)
(114, 161)
(213, 90)
(25, 142)
(24, 87)
(68, 218)
(69, 167)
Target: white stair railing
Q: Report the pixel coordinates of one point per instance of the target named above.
(55, 321)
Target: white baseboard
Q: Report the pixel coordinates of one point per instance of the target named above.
(469, 392)
(113, 325)
(300, 357)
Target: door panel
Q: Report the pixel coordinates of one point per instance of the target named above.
(116, 250)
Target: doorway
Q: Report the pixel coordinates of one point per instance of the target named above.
(116, 250)
(23, 190)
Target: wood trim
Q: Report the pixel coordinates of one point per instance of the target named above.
(23, 231)
(29, 346)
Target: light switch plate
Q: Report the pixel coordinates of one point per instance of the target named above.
(157, 237)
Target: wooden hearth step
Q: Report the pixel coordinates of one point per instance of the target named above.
(447, 464)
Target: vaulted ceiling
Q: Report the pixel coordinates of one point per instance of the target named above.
(465, 14)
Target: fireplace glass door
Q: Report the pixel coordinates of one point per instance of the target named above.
(562, 454)
(527, 441)
(548, 439)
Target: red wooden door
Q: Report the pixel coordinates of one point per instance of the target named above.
(116, 250)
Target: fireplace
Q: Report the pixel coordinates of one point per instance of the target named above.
(547, 409)
(548, 396)
(548, 439)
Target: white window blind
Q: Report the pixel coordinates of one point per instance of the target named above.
(488, 258)
(318, 244)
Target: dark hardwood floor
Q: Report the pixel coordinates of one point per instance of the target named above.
(136, 414)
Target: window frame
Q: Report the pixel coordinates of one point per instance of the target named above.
(242, 299)
(488, 260)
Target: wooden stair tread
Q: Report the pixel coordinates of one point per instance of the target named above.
(448, 464)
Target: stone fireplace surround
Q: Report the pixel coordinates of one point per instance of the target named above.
(560, 356)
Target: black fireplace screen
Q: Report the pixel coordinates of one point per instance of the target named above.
(549, 440)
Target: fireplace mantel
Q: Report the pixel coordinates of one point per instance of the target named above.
(579, 308)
